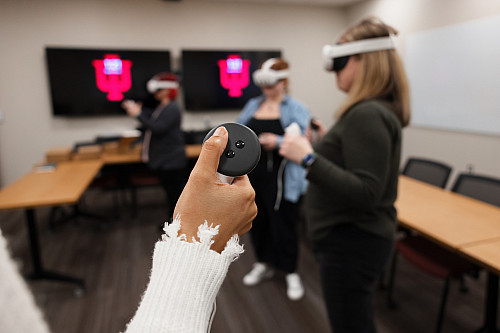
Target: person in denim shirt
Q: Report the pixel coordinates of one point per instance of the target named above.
(278, 183)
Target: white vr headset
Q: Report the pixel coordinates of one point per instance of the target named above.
(330, 52)
(267, 76)
(154, 85)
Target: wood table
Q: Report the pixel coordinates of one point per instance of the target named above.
(64, 185)
(467, 226)
(134, 155)
(448, 218)
(487, 254)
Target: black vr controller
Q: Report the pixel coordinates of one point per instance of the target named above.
(242, 152)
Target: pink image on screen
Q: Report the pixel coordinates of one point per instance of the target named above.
(113, 76)
(234, 74)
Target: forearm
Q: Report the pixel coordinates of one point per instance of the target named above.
(184, 282)
(159, 126)
(354, 158)
(353, 187)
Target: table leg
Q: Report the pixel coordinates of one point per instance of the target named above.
(39, 273)
(491, 306)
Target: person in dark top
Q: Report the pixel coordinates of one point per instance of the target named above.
(353, 172)
(278, 183)
(163, 145)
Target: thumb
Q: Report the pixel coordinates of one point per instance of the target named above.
(212, 149)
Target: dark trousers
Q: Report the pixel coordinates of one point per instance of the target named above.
(173, 182)
(351, 261)
(274, 234)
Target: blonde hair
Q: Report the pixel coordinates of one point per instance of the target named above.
(381, 74)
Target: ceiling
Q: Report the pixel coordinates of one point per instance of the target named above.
(332, 3)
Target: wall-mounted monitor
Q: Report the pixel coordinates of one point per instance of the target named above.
(221, 80)
(94, 82)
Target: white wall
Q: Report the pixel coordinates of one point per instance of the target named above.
(26, 27)
(408, 16)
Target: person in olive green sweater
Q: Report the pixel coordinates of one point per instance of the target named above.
(353, 173)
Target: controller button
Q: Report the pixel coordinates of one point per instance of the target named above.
(230, 154)
(240, 144)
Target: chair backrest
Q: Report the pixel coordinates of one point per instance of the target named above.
(482, 188)
(428, 171)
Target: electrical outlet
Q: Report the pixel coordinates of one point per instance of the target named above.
(1, 117)
(469, 168)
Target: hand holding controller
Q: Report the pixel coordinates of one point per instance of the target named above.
(242, 152)
(204, 197)
(295, 146)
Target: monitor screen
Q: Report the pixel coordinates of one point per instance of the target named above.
(92, 82)
(220, 80)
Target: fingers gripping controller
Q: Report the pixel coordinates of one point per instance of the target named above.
(242, 152)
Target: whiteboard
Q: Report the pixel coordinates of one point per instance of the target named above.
(454, 76)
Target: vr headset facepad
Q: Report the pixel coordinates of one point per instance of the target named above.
(155, 85)
(267, 76)
(335, 57)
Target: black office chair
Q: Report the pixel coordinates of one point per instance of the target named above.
(139, 178)
(434, 259)
(432, 172)
(428, 171)
(478, 187)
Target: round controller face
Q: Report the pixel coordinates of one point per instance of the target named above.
(242, 151)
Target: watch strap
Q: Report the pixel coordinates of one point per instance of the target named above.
(308, 160)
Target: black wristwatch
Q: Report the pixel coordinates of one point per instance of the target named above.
(308, 160)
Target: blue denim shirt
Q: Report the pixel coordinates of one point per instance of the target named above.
(291, 111)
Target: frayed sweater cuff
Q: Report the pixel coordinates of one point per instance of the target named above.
(184, 282)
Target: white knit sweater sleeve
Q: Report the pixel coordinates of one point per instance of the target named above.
(18, 310)
(184, 282)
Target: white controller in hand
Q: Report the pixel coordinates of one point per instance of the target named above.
(293, 129)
